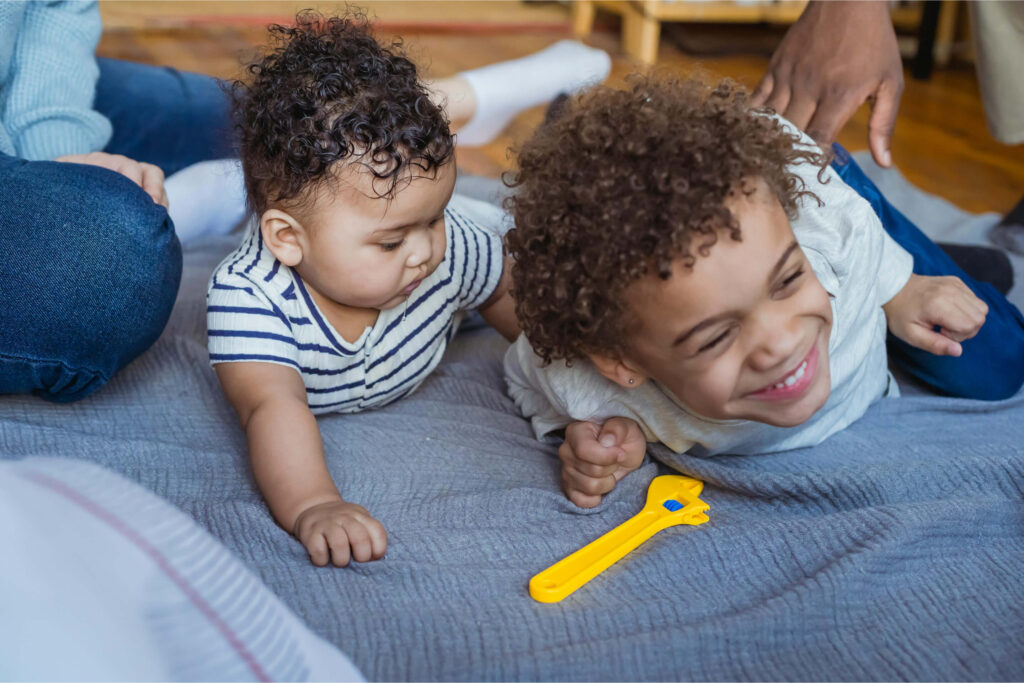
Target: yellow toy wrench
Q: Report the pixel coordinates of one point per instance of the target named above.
(671, 499)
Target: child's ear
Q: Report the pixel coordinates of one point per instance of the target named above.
(283, 236)
(619, 371)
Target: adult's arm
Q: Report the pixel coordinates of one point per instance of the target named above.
(48, 109)
(836, 56)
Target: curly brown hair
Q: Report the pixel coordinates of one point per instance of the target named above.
(325, 91)
(623, 183)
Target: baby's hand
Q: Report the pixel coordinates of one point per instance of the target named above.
(595, 457)
(927, 303)
(337, 530)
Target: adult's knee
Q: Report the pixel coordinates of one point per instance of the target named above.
(93, 268)
(133, 267)
(993, 371)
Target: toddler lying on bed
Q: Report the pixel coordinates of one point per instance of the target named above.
(344, 295)
(690, 272)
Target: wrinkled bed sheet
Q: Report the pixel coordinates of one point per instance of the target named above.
(892, 551)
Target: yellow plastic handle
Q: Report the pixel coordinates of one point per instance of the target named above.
(683, 507)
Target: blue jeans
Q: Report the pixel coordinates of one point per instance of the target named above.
(992, 364)
(89, 264)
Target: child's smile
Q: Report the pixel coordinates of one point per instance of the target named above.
(744, 333)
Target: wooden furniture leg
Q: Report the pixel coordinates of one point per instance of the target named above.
(582, 18)
(641, 30)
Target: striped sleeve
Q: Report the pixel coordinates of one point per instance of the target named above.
(243, 325)
(478, 261)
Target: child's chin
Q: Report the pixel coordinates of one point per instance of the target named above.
(794, 415)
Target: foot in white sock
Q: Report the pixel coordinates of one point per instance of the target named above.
(504, 89)
(206, 199)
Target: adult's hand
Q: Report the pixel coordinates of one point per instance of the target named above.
(836, 56)
(147, 176)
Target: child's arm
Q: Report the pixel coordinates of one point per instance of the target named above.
(927, 303)
(287, 457)
(596, 456)
(500, 310)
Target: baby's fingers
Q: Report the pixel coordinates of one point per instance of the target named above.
(339, 539)
(378, 539)
(317, 547)
(359, 541)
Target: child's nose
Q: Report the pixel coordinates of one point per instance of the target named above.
(421, 250)
(776, 344)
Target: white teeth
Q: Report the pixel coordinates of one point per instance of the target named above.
(792, 379)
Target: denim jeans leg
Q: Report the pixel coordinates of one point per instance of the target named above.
(163, 116)
(89, 270)
(992, 364)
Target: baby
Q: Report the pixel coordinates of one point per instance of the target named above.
(345, 293)
(691, 272)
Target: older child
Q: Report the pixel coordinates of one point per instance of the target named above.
(345, 293)
(691, 272)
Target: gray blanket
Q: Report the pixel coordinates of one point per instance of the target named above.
(892, 551)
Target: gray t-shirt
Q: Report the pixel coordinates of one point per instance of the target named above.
(857, 263)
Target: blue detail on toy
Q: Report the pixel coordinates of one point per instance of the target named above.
(673, 505)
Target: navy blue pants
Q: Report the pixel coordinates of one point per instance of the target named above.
(89, 264)
(992, 364)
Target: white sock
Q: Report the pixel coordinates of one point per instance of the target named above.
(507, 88)
(206, 199)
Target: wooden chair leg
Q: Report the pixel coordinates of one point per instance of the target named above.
(640, 33)
(582, 18)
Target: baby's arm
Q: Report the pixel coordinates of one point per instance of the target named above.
(287, 456)
(926, 304)
(499, 310)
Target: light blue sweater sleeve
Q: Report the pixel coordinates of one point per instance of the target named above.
(51, 82)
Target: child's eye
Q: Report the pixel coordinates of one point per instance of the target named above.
(792, 278)
(391, 246)
(714, 342)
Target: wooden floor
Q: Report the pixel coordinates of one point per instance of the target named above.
(942, 144)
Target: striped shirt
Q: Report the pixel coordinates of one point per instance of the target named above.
(259, 310)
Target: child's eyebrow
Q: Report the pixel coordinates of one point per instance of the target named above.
(782, 260)
(715, 318)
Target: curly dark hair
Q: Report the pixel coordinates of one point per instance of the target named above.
(325, 91)
(620, 185)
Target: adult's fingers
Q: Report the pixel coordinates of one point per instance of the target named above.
(800, 109)
(885, 106)
(830, 117)
(763, 90)
(131, 170)
(779, 97)
(152, 182)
